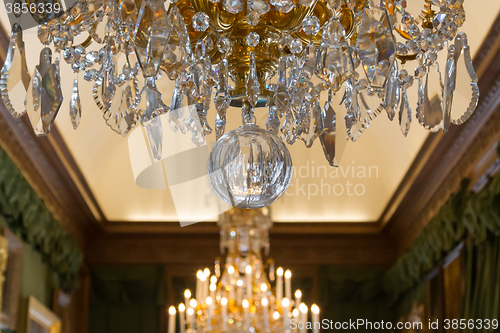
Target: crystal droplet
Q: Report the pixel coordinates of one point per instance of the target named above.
(376, 45)
(233, 6)
(15, 78)
(178, 53)
(150, 101)
(108, 79)
(391, 98)
(334, 137)
(273, 122)
(315, 125)
(155, 136)
(466, 95)
(151, 34)
(44, 97)
(75, 108)
(253, 86)
(450, 75)
(177, 113)
(430, 92)
(404, 113)
(281, 96)
(222, 98)
(334, 62)
(121, 116)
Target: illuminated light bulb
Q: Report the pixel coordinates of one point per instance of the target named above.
(245, 303)
(199, 274)
(206, 271)
(276, 315)
(223, 301)
(288, 274)
(187, 293)
(248, 269)
(230, 269)
(213, 279)
(295, 313)
(190, 312)
(203, 278)
(285, 302)
(280, 271)
(193, 303)
(213, 287)
(263, 287)
(315, 309)
(265, 301)
(239, 283)
(303, 308)
(171, 310)
(298, 293)
(182, 307)
(209, 300)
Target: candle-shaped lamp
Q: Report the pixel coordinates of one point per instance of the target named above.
(193, 304)
(187, 297)
(315, 318)
(171, 319)
(190, 316)
(288, 284)
(265, 312)
(210, 314)
(298, 298)
(230, 271)
(206, 271)
(182, 317)
(203, 280)
(248, 272)
(223, 303)
(198, 290)
(285, 305)
(303, 317)
(279, 285)
(246, 306)
(213, 288)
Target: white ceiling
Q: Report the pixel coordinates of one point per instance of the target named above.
(103, 157)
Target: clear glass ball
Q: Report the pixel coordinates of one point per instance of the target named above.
(249, 167)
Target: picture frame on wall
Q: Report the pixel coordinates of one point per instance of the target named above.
(61, 306)
(41, 319)
(12, 281)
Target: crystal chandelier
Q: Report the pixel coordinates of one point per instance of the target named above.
(310, 63)
(239, 296)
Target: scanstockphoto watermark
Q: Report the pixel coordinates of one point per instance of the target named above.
(359, 324)
(320, 180)
(29, 14)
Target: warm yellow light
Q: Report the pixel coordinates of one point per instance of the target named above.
(245, 303)
(203, 278)
(285, 302)
(315, 309)
(190, 312)
(223, 301)
(248, 269)
(264, 301)
(263, 287)
(193, 303)
(209, 300)
(187, 293)
(171, 310)
(279, 271)
(213, 279)
(206, 271)
(298, 293)
(182, 307)
(303, 308)
(276, 315)
(288, 274)
(295, 312)
(199, 274)
(213, 287)
(239, 283)
(230, 269)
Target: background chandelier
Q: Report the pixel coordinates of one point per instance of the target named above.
(322, 68)
(239, 297)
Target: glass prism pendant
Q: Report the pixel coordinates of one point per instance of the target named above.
(430, 102)
(44, 97)
(15, 78)
(334, 137)
(75, 107)
(249, 167)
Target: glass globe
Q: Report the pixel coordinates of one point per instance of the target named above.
(249, 167)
